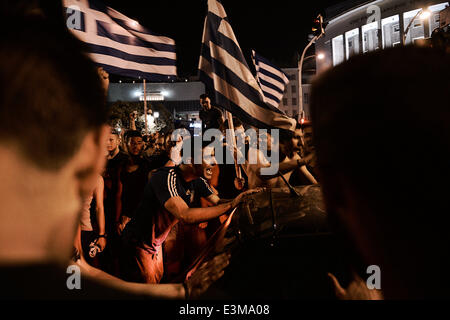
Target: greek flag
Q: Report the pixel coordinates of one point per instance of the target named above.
(225, 72)
(119, 44)
(270, 78)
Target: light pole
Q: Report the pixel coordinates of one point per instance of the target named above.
(300, 68)
(300, 65)
(423, 15)
(319, 31)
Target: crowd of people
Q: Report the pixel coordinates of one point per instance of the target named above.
(139, 217)
(134, 188)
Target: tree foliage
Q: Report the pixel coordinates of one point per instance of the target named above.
(121, 110)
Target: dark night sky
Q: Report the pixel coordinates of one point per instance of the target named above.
(276, 29)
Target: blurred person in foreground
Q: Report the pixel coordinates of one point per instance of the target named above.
(387, 201)
(52, 163)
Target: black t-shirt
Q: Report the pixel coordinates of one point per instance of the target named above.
(211, 118)
(201, 189)
(133, 186)
(152, 222)
(111, 179)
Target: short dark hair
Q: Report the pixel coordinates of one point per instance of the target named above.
(50, 92)
(286, 135)
(133, 134)
(204, 96)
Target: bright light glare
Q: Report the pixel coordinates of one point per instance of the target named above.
(425, 14)
(156, 114)
(320, 56)
(134, 23)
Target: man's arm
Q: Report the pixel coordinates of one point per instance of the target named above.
(284, 167)
(196, 285)
(289, 166)
(181, 211)
(220, 118)
(308, 175)
(133, 116)
(100, 212)
(121, 221)
(118, 198)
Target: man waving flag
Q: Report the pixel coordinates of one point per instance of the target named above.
(119, 44)
(225, 72)
(271, 79)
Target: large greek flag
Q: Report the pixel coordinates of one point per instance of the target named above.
(271, 79)
(225, 72)
(119, 44)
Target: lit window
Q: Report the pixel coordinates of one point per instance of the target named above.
(416, 30)
(352, 42)
(434, 17)
(370, 36)
(338, 49)
(390, 28)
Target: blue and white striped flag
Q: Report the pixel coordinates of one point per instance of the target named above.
(225, 72)
(271, 79)
(119, 44)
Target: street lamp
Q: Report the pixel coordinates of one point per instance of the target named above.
(319, 31)
(424, 14)
(319, 56)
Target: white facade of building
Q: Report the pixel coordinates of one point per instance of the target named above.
(290, 101)
(374, 25)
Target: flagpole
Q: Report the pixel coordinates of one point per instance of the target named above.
(145, 107)
(231, 128)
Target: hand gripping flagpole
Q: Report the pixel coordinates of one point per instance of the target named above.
(145, 108)
(233, 143)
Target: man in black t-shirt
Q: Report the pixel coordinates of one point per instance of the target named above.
(211, 116)
(133, 177)
(115, 160)
(167, 200)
